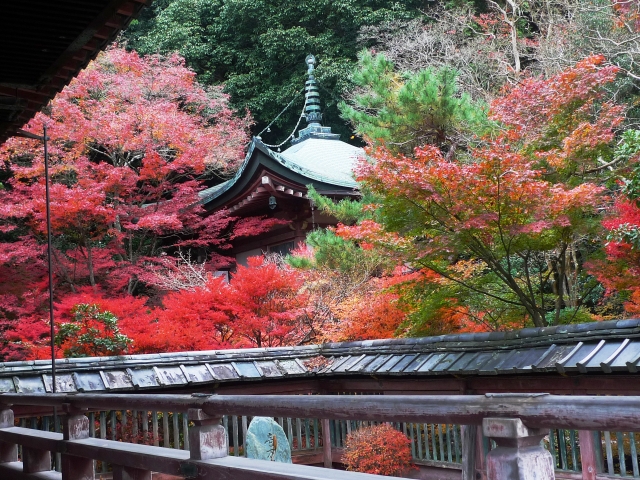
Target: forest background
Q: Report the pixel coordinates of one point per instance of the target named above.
(500, 188)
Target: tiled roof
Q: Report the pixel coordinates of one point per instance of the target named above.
(601, 347)
(325, 160)
(332, 161)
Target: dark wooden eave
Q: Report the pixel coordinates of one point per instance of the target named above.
(44, 44)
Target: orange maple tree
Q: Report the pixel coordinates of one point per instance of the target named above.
(379, 450)
(517, 204)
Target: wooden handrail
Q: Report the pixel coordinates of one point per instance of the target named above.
(535, 410)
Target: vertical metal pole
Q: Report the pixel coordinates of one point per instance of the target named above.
(49, 250)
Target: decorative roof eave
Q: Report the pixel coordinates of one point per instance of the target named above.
(601, 348)
(267, 186)
(259, 157)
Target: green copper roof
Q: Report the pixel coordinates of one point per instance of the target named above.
(328, 160)
(317, 153)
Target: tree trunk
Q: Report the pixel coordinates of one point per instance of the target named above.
(92, 280)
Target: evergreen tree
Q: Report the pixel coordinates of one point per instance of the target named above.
(257, 48)
(405, 110)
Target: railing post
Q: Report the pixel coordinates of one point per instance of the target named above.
(8, 451)
(207, 438)
(75, 426)
(469, 436)
(34, 461)
(588, 455)
(326, 443)
(519, 455)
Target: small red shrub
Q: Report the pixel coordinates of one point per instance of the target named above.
(380, 450)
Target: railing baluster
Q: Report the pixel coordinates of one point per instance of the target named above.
(419, 441)
(433, 441)
(316, 434)
(166, 438)
(113, 425)
(290, 432)
(412, 441)
(134, 426)
(425, 429)
(597, 442)
(621, 457)
(307, 433)
(103, 436)
(176, 430)
(299, 432)
(185, 431)
(574, 453)
(562, 443)
(145, 427)
(607, 446)
(92, 425)
(634, 454)
(439, 426)
(448, 438)
(456, 442)
(154, 427)
(236, 444)
(244, 433)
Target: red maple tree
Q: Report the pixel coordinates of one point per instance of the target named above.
(132, 139)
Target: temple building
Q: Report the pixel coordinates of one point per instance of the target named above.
(274, 184)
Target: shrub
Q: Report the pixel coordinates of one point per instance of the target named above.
(380, 450)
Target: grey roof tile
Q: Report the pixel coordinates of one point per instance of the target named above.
(599, 347)
(6, 385)
(431, 362)
(88, 382)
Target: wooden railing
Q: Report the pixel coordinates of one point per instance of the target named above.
(516, 423)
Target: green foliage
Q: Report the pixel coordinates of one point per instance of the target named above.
(91, 332)
(405, 110)
(629, 148)
(257, 47)
(569, 315)
(346, 211)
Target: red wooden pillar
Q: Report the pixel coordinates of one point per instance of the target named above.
(8, 451)
(588, 455)
(326, 443)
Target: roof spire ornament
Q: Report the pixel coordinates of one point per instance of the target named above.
(312, 110)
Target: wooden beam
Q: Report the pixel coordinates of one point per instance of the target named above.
(267, 183)
(326, 443)
(536, 410)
